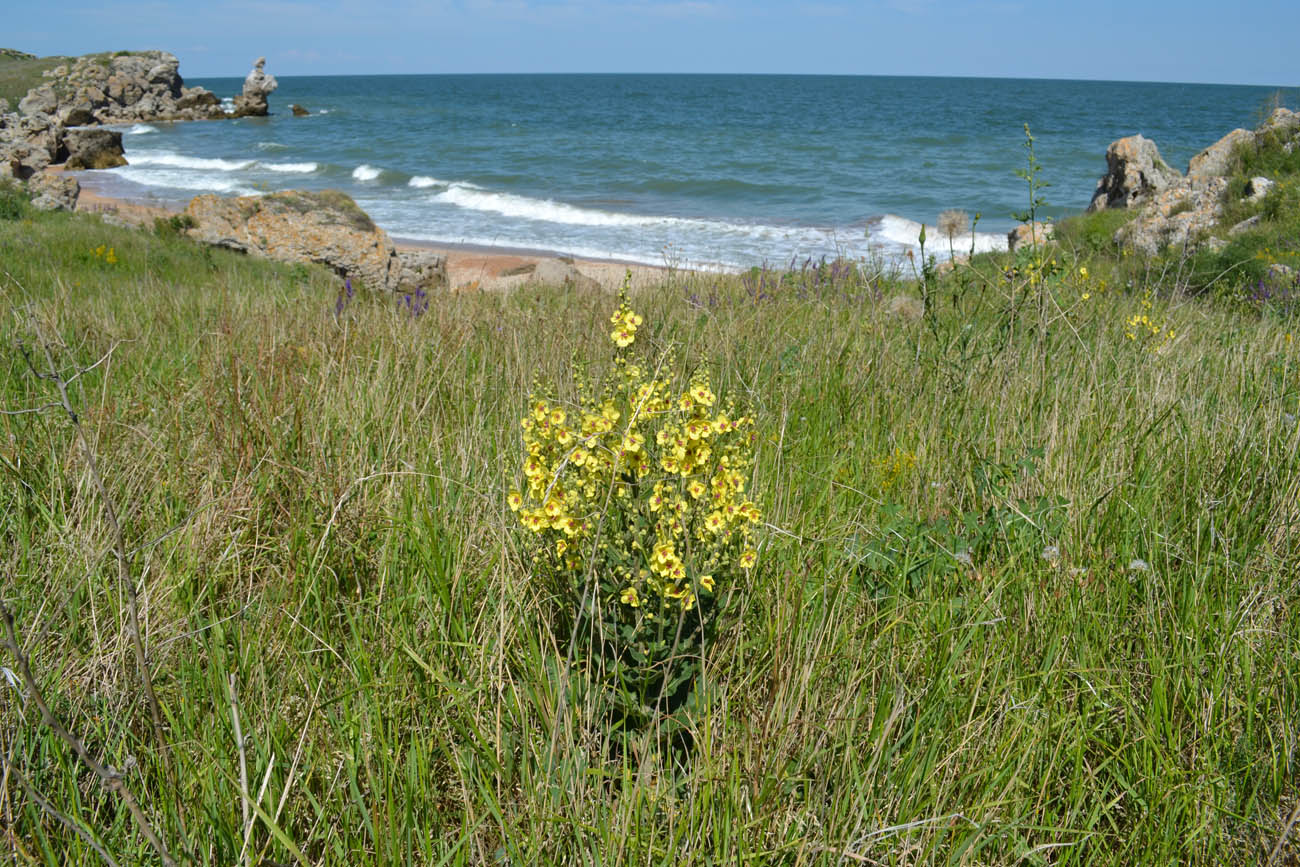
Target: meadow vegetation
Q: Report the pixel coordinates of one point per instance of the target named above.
(1019, 587)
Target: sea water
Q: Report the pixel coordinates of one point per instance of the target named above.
(714, 171)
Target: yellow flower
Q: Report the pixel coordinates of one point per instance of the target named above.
(748, 558)
(557, 416)
(702, 395)
(706, 581)
(515, 500)
(629, 597)
(696, 489)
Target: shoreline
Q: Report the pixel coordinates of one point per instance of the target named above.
(470, 267)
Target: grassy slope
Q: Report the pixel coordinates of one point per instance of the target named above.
(19, 75)
(344, 553)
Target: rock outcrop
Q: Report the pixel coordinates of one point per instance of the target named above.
(324, 227)
(92, 148)
(1023, 235)
(1134, 171)
(1179, 210)
(54, 191)
(122, 88)
(299, 110)
(252, 102)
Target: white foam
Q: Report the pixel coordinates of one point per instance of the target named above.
(178, 161)
(299, 168)
(547, 210)
(140, 129)
(906, 233)
(421, 182)
(183, 179)
(365, 172)
(271, 146)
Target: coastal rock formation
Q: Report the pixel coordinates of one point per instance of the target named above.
(1182, 210)
(54, 191)
(92, 148)
(324, 227)
(252, 102)
(121, 88)
(1134, 171)
(1178, 216)
(1022, 235)
(299, 110)
(420, 269)
(1216, 160)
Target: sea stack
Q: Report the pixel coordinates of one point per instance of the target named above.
(257, 87)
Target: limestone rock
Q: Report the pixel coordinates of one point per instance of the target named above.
(299, 110)
(1257, 189)
(556, 272)
(39, 100)
(421, 269)
(252, 102)
(1134, 172)
(1181, 216)
(325, 227)
(54, 191)
(1021, 235)
(1216, 160)
(1245, 225)
(93, 148)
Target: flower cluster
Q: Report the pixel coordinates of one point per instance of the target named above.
(636, 509)
(108, 254)
(649, 480)
(1141, 328)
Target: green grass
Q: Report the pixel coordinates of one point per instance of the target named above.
(20, 74)
(317, 509)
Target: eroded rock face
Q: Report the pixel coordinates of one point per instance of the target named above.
(324, 227)
(1134, 172)
(93, 148)
(53, 191)
(1178, 216)
(124, 88)
(252, 102)
(1216, 160)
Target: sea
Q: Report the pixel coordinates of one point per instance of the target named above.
(705, 171)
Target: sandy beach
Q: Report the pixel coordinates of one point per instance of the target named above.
(469, 268)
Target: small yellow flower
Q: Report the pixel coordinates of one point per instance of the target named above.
(748, 558)
(515, 500)
(629, 597)
(706, 581)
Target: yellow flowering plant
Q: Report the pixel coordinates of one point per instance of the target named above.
(636, 506)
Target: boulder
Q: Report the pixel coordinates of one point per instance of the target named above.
(298, 110)
(1216, 160)
(54, 191)
(93, 148)
(1257, 189)
(1245, 225)
(421, 269)
(324, 227)
(39, 100)
(557, 272)
(252, 102)
(1134, 172)
(1021, 235)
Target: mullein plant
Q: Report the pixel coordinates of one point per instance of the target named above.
(638, 519)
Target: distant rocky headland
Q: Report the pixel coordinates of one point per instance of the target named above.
(54, 123)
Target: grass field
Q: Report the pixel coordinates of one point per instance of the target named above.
(1027, 586)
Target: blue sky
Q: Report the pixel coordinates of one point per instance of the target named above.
(1194, 40)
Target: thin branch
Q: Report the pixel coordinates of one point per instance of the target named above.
(123, 560)
(243, 759)
(63, 818)
(1277, 847)
(109, 778)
